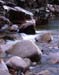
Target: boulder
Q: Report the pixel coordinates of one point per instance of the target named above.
(51, 58)
(25, 48)
(2, 41)
(2, 2)
(54, 58)
(44, 72)
(4, 26)
(18, 15)
(51, 7)
(11, 3)
(28, 61)
(46, 38)
(28, 25)
(1, 8)
(14, 28)
(3, 68)
(23, 18)
(28, 30)
(2, 35)
(16, 62)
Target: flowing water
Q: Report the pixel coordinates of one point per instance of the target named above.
(46, 65)
(53, 27)
(53, 24)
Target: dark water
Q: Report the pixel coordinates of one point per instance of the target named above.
(52, 25)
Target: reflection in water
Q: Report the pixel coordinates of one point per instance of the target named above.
(53, 24)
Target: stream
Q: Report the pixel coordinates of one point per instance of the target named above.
(50, 51)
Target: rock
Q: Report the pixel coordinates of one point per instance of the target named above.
(14, 28)
(29, 73)
(25, 48)
(28, 14)
(28, 26)
(2, 2)
(54, 58)
(51, 7)
(13, 36)
(2, 53)
(28, 61)
(18, 15)
(2, 42)
(24, 19)
(51, 58)
(4, 21)
(34, 64)
(4, 25)
(15, 16)
(58, 44)
(28, 30)
(56, 8)
(26, 23)
(44, 72)
(11, 3)
(46, 37)
(2, 35)
(47, 69)
(43, 19)
(1, 8)
(42, 15)
(16, 62)
(8, 45)
(3, 68)
(44, 58)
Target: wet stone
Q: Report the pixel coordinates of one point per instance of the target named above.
(46, 37)
(3, 68)
(18, 63)
(26, 48)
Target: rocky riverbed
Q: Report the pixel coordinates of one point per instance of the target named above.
(23, 50)
(50, 57)
(31, 54)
